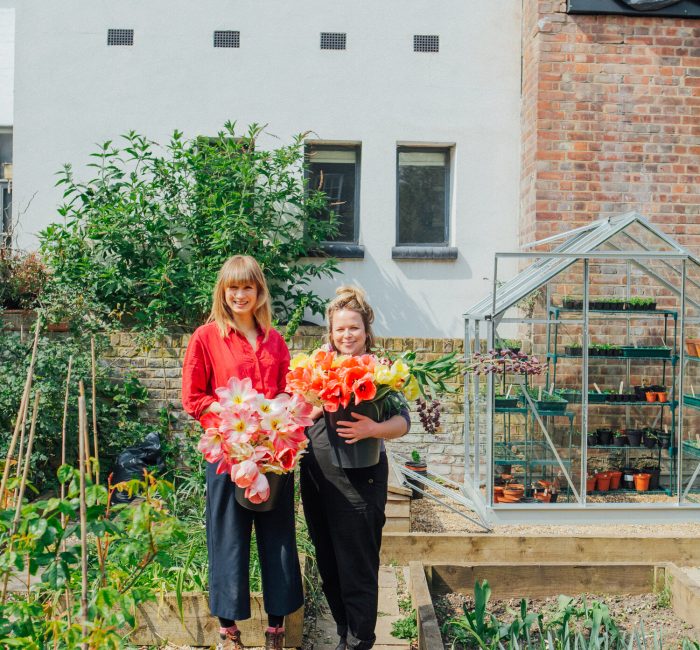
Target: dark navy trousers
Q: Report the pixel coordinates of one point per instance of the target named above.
(344, 510)
(229, 527)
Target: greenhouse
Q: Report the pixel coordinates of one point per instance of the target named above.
(582, 394)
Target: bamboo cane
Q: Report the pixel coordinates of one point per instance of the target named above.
(18, 508)
(96, 465)
(22, 409)
(82, 450)
(63, 431)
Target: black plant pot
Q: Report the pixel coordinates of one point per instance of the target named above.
(605, 437)
(654, 480)
(649, 440)
(621, 441)
(635, 437)
(592, 440)
(664, 440)
(364, 453)
(418, 468)
(628, 478)
(278, 483)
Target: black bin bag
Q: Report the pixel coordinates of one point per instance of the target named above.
(134, 460)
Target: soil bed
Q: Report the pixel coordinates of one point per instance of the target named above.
(626, 610)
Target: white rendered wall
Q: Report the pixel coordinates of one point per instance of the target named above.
(7, 64)
(73, 91)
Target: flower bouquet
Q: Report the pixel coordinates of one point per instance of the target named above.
(254, 439)
(372, 385)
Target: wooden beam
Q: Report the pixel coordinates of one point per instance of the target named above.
(449, 548)
(543, 580)
(429, 637)
(685, 595)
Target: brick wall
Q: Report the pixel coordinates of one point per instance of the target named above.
(611, 120)
(159, 369)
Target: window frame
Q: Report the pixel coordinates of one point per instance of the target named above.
(447, 151)
(340, 246)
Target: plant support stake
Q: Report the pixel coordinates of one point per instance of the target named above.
(96, 465)
(22, 409)
(82, 439)
(63, 432)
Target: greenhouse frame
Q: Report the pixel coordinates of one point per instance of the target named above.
(607, 423)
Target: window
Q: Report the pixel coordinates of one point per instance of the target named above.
(426, 43)
(333, 40)
(227, 38)
(120, 37)
(335, 170)
(423, 196)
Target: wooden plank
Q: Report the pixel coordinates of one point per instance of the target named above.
(157, 622)
(399, 498)
(397, 509)
(448, 548)
(429, 637)
(685, 596)
(396, 525)
(542, 580)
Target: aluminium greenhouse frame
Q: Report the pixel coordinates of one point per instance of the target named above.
(481, 322)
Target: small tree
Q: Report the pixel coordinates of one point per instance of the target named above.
(142, 240)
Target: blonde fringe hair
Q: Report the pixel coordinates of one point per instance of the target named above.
(354, 299)
(240, 269)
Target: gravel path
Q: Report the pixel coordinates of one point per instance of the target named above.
(428, 516)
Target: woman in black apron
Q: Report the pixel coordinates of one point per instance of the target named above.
(344, 507)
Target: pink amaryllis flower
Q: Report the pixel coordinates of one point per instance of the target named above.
(259, 490)
(254, 435)
(238, 394)
(239, 424)
(211, 445)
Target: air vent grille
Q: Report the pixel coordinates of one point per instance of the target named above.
(426, 43)
(333, 40)
(120, 37)
(227, 38)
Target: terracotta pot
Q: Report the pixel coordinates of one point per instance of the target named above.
(651, 397)
(641, 482)
(602, 482)
(615, 478)
(545, 498)
(590, 484)
(662, 397)
(690, 348)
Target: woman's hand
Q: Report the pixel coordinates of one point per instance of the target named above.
(363, 427)
(214, 407)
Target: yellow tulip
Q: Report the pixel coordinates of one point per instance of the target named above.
(411, 390)
(300, 359)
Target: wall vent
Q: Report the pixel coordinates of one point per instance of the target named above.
(333, 40)
(426, 43)
(120, 37)
(227, 38)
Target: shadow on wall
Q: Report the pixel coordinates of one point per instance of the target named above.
(395, 303)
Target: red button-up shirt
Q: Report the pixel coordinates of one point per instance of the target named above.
(210, 361)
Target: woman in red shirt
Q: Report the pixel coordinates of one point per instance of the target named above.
(238, 341)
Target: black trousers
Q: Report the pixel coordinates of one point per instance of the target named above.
(229, 527)
(344, 510)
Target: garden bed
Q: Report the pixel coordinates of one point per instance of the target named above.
(626, 609)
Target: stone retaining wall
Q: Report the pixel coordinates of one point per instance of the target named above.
(159, 370)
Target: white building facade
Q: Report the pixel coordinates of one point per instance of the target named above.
(396, 93)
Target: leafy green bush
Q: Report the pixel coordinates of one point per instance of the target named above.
(124, 541)
(118, 424)
(142, 240)
(22, 278)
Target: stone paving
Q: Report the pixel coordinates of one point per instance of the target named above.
(325, 638)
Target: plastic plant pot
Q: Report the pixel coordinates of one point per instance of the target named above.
(621, 441)
(590, 484)
(615, 478)
(651, 396)
(661, 396)
(605, 437)
(634, 436)
(641, 482)
(602, 482)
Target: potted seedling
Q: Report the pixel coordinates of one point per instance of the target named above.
(620, 439)
(592, 439)
(605, 436)
(502, 363)
(574, 349)
(664, 438)
(650, 438)
(649, 465)
(572, 302)
(511, 345)
(419, 466)
(547, 401)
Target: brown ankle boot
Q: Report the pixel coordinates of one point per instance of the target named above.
(274, 640)
(231, 640)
